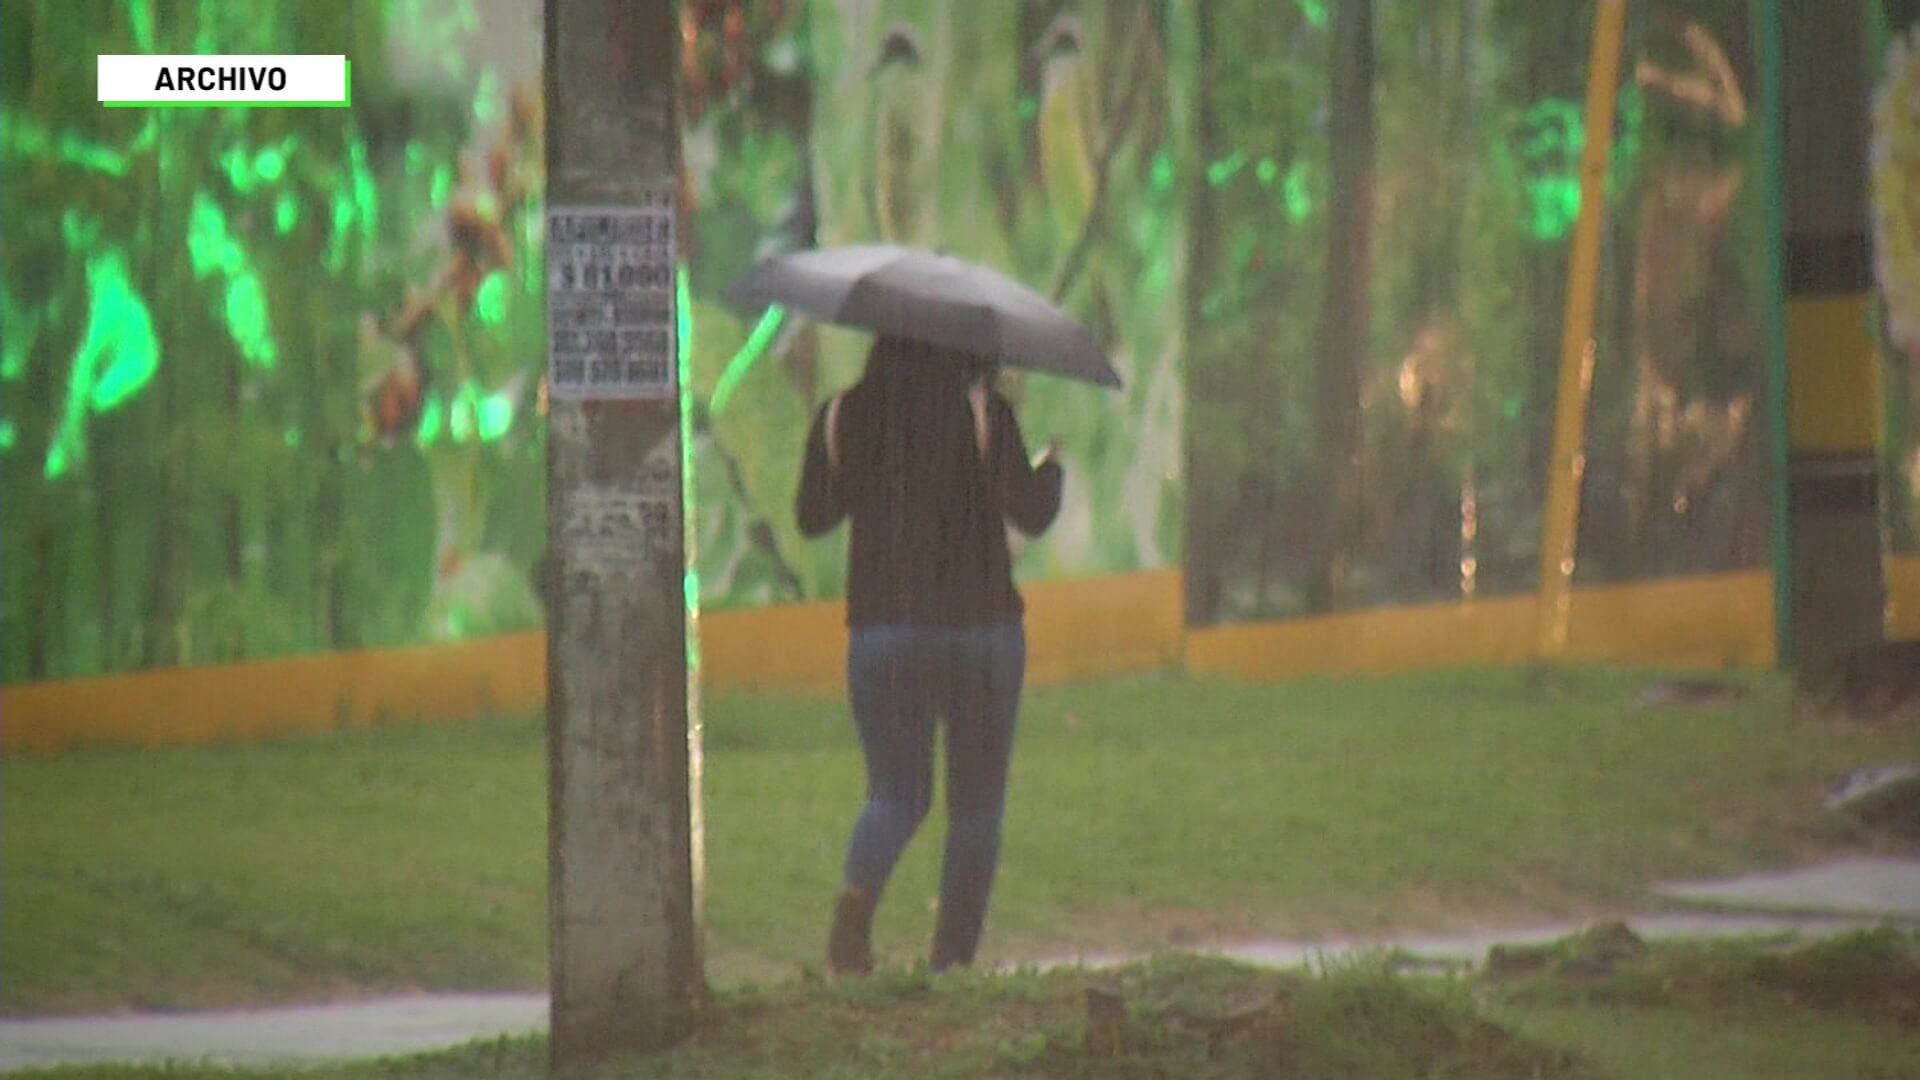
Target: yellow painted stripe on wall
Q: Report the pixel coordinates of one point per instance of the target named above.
(1717, 621)
(1079, 628)
(1094, 627)
(1076, 629)
(789, 647)
(1713, 621)
(1833, 375)
(236, 702)
(1367, 642)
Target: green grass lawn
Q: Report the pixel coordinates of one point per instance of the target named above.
(1674, 1044)
(1143, 813)
(1200, 1018)
(1736, 1010)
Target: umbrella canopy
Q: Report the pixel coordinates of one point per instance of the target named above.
(932, 298)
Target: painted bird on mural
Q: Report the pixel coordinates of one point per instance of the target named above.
(1068, 119)
(393, 385)
(901, 132)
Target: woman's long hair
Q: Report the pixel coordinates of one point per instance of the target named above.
(914, 368)
(922, 392)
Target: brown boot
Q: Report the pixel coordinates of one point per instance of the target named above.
(850, 942)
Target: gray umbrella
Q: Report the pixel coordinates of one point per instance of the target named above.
(932, 298)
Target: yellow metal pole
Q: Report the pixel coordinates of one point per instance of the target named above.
(1576, 344)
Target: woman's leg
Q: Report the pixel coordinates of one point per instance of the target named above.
(893, 712)
(985, 675)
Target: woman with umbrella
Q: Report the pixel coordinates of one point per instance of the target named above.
(927, 461)
(929, 465)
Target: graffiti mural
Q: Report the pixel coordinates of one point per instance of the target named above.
(270, 379)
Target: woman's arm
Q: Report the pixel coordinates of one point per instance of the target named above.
(820, 503)
(1033, 494)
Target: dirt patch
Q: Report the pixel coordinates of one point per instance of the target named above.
(1216, 1018)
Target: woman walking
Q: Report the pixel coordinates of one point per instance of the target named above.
(928, 463)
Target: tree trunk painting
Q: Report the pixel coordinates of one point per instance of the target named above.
(1343, 341)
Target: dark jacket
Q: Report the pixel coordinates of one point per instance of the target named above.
(929, 544)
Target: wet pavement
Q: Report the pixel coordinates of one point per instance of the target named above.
(1829, 898)
(1863, 886)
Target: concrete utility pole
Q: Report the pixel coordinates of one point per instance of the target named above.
(626, 969)
(1832, 592)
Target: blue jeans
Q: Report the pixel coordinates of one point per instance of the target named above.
(902, 681)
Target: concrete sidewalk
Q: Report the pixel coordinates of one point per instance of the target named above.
(1816, 901)
(1468, 949)
(379, 1027)
(1883, 887)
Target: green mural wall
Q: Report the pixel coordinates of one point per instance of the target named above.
(270, 379)
(270, 375)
